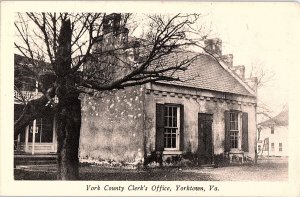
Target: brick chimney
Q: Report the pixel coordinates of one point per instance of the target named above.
(114, 34)
(252, 82)
(228, 59)
(239, 71)
(111, 23)
(214, 46)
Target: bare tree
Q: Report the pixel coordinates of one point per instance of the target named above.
(264, 77)
(69, 46)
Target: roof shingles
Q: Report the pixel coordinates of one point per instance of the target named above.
(206, 73)
(282, 119)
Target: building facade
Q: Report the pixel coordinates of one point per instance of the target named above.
(274, 136)
(39, 137)
(205, 126)
(207, 120)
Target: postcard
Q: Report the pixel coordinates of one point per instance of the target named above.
(128, 98)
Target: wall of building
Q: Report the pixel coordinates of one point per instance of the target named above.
(116, 125)
(199, 102)
(112, 125)
(280, 136)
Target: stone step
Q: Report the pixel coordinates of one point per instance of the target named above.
(37, 162)
(25, 159)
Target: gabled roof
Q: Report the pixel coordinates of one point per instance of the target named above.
(207, 73)
(282, 119)
(204, 73)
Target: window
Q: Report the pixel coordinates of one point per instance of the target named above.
(272, 130)
(272, 147)
(266, 144)
(236, 130)
(280, 147)
(233, 129)
(266, 147)
(171, 127)
(259, 148)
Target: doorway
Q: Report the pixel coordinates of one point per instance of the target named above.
(205, 149)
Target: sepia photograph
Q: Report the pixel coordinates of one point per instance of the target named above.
(172, 101)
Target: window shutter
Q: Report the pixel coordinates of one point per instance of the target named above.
(181, 141)
(227, 127)
(159, 143)
(245, 132)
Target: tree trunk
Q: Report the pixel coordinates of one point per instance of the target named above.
(68, 132)
(68, 116)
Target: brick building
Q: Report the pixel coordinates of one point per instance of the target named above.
(207, 119)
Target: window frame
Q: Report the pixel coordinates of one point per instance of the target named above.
(177, 133)
(266, 144)
(234, 132)
(280, 146)
(272, 147)
(272, 130)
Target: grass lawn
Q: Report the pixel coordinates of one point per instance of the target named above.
(264, 171)
(108, 174)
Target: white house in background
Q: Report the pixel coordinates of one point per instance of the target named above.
(39, 137)
(273, 139)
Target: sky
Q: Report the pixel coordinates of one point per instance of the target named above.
(263, 35)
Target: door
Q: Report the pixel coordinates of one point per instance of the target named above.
(205, 149)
